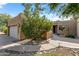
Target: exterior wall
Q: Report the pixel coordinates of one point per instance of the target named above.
(22, 37)
(49, 34)
(15, 21)
(70, 27)
(78, 28)
(73, 27)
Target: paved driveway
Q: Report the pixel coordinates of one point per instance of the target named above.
(71, 40)
(8, 43)
(66, 42)
(4, 40)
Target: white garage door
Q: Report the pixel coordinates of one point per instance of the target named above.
(14, 32)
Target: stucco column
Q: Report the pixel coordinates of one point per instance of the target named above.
(78, 28)
(58, 29)
(19, 31)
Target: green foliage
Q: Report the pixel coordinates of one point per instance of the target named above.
(67, 9)
(54, 5)
(33, 25)
(4, 29)
(34, 28)
(71, 9)
(3, 22)
(70, 36)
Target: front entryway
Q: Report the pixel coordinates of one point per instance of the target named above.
(54, 29)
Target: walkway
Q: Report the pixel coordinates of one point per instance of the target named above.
(72, 40)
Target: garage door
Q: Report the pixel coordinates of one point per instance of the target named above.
(14, 32)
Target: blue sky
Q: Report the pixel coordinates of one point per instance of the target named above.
(14, 9)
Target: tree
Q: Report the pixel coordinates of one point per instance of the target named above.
(4, 18)
(68, 9)
(33, 25)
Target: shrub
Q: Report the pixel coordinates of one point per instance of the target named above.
(70, 36)
(5, 29)
(35, 27)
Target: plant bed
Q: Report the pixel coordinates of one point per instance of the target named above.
(36, 42)
(42, 40)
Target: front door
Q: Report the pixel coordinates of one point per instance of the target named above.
(54, 29)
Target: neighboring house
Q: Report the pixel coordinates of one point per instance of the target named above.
(68, 27)
(14, 28)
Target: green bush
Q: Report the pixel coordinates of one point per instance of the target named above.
(70, 36)
(35, 27)
(4, 29)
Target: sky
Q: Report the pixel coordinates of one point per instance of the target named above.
(14, 9)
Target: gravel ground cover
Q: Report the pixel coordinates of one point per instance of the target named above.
(59, 51)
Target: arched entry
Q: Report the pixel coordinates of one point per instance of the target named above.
(54, 29)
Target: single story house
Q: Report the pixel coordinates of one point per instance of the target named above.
(14, 29)
(66, 27)
(60, 27)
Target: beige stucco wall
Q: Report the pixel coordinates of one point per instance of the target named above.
(78, 28)
(15, 21)
(70, 25)
(73, 27)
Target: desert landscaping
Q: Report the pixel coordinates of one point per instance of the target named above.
(32, 31)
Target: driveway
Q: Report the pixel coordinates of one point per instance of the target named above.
(71, 40)
(65, 42)
(5, 40)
